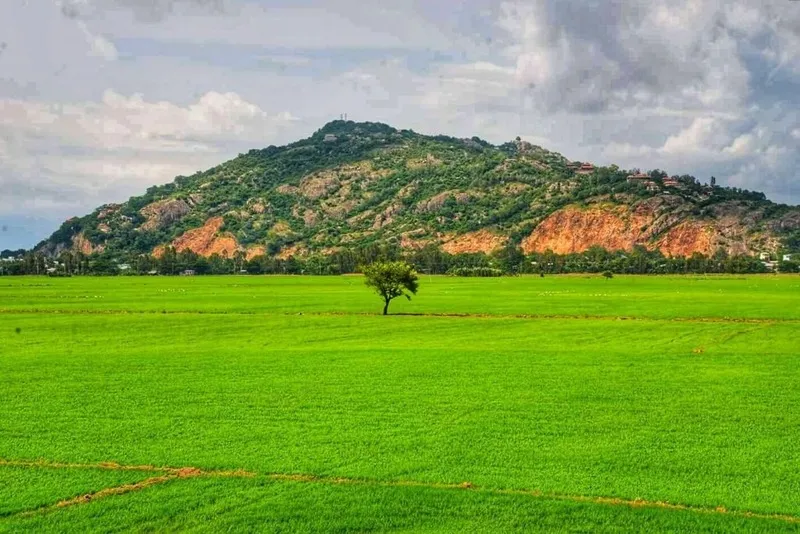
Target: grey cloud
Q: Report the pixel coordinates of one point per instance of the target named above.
(624, 54)
(144, 10)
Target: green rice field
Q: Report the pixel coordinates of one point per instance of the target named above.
(289, 404)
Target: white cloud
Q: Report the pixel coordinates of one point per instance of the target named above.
(743, 145)
(703, 134)
(120, 145)
(131, 122)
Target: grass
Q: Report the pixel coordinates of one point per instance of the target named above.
(658, 297)
(386, 418)
(24, 489)
(263, 505)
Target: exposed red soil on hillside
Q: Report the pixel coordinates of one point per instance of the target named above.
(205, 241)
(575, 230)
(255, 251)
(687, 238)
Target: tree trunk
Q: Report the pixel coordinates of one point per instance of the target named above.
(386, 308)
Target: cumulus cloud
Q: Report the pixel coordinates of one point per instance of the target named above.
(703, 134)
(76, 153)
(686, 85)
(131, 122)
(631, 54)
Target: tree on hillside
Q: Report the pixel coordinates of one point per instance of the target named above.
(391, 280)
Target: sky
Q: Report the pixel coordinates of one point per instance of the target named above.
(100, 99)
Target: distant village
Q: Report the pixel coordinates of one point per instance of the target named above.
(638, 177)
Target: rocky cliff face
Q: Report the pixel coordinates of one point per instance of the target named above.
(163, 213)
(576, 230)
(369, 183)
(204, 241)
(663, 227)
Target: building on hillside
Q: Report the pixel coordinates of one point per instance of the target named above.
(329, 138)
(643, 179)
(671, 182)
(651, 185)
(764, 256)
(770, 265)
(586, 168)
(788, 257)
(573, 166)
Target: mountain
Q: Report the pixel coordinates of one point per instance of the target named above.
(356, 184)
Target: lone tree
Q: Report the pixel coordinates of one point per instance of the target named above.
(391, 280)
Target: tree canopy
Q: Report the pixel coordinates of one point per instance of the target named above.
(391, 280)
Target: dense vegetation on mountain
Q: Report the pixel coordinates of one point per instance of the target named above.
(355, 187)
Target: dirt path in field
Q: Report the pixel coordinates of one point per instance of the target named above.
(168, 474)
(608, 501)
(165, 474)
(181, 472)
(105, 492)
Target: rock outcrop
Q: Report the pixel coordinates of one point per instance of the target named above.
(163, 213)
(654, 226)
(205, 241)
(574, 230)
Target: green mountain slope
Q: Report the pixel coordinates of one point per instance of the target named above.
(356, 184)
